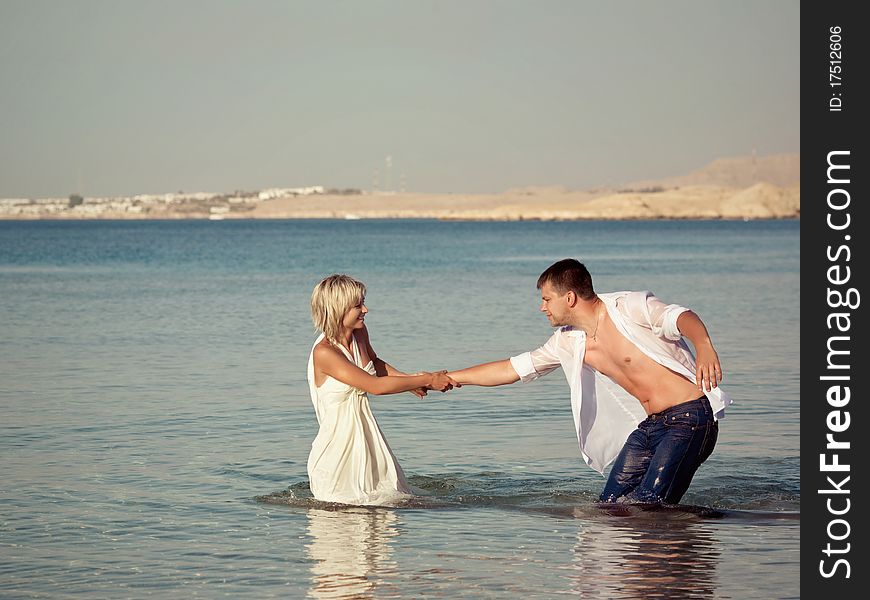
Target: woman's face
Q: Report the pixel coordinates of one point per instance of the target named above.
(355, 317)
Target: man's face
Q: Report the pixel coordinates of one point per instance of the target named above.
(554, 305)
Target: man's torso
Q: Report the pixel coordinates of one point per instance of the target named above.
(655, 386)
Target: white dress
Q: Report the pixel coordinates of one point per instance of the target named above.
(350, 461)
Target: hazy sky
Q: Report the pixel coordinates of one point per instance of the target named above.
(118, 98)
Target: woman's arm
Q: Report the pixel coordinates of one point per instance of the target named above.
(331, 362)
(382, 367)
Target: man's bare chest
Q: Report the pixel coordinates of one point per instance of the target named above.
(610, 353)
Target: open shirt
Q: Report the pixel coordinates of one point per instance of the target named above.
(604, 413)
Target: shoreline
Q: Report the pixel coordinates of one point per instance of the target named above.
(698, 202)
(402, 218)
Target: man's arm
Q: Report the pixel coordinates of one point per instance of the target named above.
(500, 372)
(524, 367)
(671, 322)
(708, 371)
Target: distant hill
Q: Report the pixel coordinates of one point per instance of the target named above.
(729, 188)
(781, 170)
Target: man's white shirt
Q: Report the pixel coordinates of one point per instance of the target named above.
(604, 413)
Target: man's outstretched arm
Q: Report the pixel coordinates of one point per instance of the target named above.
(708, 371)
(500, 372)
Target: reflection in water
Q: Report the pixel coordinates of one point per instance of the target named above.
(669, 559)
(351, 551)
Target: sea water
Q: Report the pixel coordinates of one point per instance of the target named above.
(155, 420)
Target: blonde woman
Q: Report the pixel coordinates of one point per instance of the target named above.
(350, 461)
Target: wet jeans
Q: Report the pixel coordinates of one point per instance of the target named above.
(661, 456)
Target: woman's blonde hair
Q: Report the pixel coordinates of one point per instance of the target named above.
(330, 301)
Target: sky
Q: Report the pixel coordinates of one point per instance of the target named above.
(114, 97)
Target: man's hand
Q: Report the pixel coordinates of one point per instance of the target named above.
(708, 372)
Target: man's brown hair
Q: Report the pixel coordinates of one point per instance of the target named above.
(568, 275)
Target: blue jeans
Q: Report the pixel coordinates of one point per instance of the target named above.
(660, 457)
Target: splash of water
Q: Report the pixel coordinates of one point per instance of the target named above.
(737, 498)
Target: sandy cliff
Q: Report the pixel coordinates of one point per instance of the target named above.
(730, 188)
(760, 201)
(748, 187)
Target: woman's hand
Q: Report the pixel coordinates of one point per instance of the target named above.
(441, 382)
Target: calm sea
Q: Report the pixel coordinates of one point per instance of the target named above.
(155, 420)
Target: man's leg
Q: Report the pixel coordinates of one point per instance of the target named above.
(684, 477)
(629, 467)
(683, 438)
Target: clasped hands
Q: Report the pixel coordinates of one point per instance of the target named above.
(440, 382)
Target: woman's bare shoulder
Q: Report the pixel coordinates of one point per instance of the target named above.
(324, 351)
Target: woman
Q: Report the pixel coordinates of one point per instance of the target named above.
(350, 461)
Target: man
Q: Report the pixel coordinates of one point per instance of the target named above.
(638, 394)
